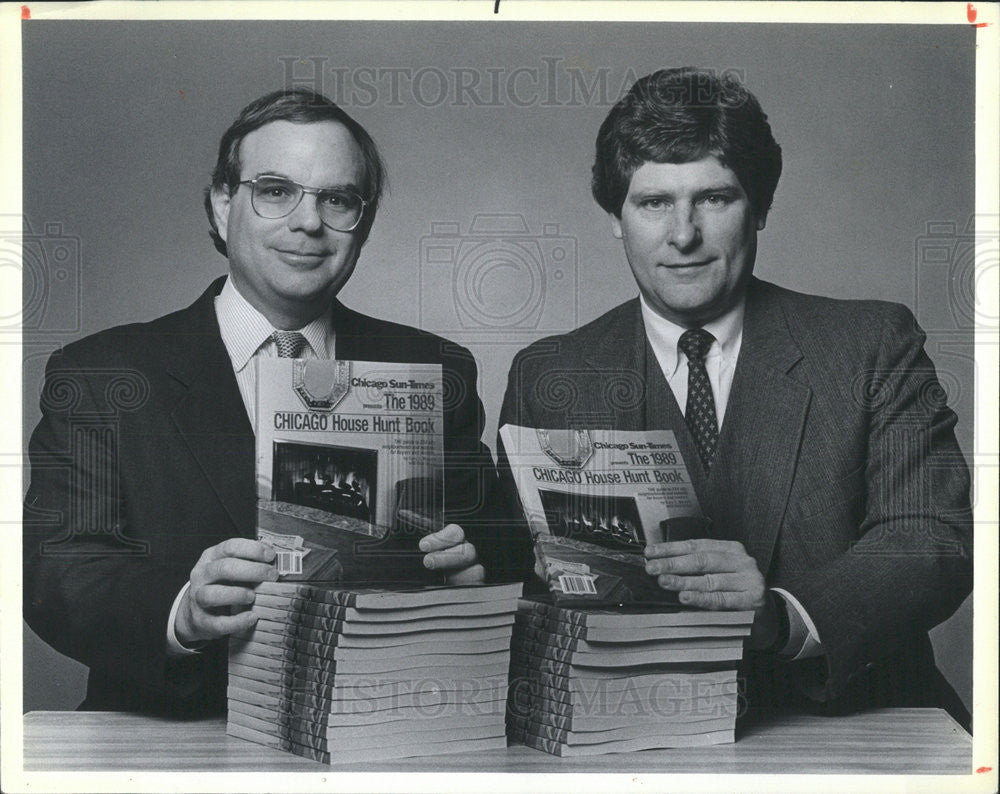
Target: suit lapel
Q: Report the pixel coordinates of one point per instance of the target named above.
(352, 343)
(624, 352)
(618, 364)
(210, 415)
(765, 416)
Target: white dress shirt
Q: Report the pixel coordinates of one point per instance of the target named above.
(720, 363)
(246, 334)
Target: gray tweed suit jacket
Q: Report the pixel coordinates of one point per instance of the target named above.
(837, 468)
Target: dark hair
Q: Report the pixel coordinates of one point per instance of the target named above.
(300, 106)
(683, 115)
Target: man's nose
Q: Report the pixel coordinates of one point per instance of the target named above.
(306, 217)
(685, 230)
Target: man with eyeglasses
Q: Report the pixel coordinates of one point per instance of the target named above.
(139, 557)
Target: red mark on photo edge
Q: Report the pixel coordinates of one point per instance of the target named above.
(970, 14)
(25, 12)
(984, 769)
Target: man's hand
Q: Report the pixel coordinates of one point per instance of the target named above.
(449, 551)
(715, 574)
(221, 580)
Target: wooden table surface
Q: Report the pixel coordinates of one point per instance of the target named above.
(897, 741)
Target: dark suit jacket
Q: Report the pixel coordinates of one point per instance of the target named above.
(836, 467)
(144, 457)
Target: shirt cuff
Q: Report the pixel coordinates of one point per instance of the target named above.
(803, 638)
(174, 647)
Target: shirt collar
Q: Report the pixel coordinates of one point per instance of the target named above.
(244, 329)
(664, 335)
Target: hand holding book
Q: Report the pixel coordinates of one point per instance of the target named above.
(221, 590)
(717, 575)
(448, 551)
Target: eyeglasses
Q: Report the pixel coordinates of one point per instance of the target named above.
(275, 197)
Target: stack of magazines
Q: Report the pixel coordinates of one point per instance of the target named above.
(610, 661)
(590, 682)
(341, 674)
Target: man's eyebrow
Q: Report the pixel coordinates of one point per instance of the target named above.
(342, 186)
(655, 192)
(720, 188)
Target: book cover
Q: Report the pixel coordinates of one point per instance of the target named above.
(349, 458)
(728, 651)
(593, 500)
(319, 604)
(636, 618)
(324, 625)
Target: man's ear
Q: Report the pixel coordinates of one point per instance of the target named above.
(616, 225)
(761, 221)
(221, 201)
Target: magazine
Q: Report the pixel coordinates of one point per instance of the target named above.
(349, 465)
(593, 500)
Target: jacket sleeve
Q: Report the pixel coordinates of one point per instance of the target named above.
(93, 588)
(472, 496)
(910, 566)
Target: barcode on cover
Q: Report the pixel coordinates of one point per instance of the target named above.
(289, 562)
(577, 585)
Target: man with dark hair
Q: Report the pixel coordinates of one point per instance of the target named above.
(815, 431)
(139, 549)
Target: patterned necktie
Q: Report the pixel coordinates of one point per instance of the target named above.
(290, 344)
(700, 412)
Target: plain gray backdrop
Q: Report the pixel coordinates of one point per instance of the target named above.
(489, 234)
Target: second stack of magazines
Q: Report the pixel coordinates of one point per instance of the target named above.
(343, 674)
(590, 682)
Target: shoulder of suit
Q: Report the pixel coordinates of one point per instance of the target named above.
(831, 318)
(140, 341)
(580, 341)
(416, 341)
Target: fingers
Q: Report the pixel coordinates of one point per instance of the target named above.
(676, 548)
(217, 596)
(474, 574)
(461, 556)
(448, 550)
(205, 613)
(709, 574)
(242, 548)
(718, 591)
(700, 562)
(711, 582)
(215, 591)
(717, 600)
(451, 535)
(211, 626)
(232, 569)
